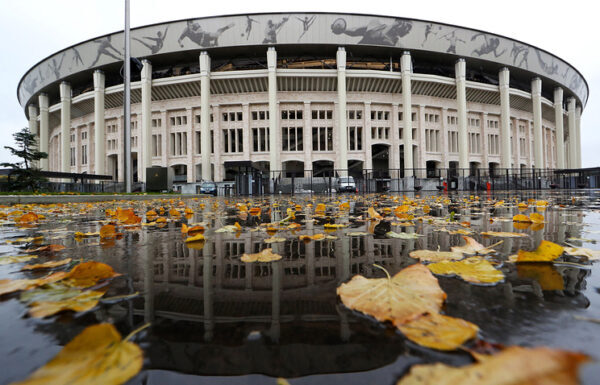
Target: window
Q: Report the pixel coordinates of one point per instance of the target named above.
(453, 141)
(156, 145)
(432, 140)
(492, 123)
(452, 120)
(84, 135)
(474, 146)
(291, 139)
(73, 156)
(233, 140)
(179, 120)
(432, 118)
(72, 139)
(322, 138)
(199, 142)
(84, 154)
(260, 139)
(380, 133)
(156, 123)
(493, 144)
(178, 143)
(291, 114)
(322, 114)
(354, 138)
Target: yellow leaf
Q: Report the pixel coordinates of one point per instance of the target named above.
(47, 265)
(472, 247)
(108, 231)
(410, 293)
(10, 286)
(333, 226)
(544, 273)
(97, 355)
(195, 238)
(28, 218)
(345, 206)
(174, 213)
(87, 274)
(83, 301)
(266, 255)
(320, 209)
(473, 269)
(521, 218)
(435, 256)
(16, 259)
(255, 211)
(547, 251)
(502, 234)
(374, 215)
(536, 218)
(437, 331)
(274, 240)
(512, 366)
(592, 255)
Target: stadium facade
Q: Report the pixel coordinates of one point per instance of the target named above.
(306, 91)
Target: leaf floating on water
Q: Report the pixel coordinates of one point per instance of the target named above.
(392, 234)
(502, 234)
(266, 255)
(47, 265)
(52, 299)
(374, 215)
(435, 256)
(473, 269)
(274, 240)
(592, 255)
(357, 234)
(546, 252)
(16, 259)
(408, 294)
(88, 274)
(473, 247)
(512, 366)
(97, 355)
(46, 248)
(230, 228)
(10, 286)
(521, 218)
(536, 218)
(438, 331)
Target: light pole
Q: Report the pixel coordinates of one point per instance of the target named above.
(127, 104)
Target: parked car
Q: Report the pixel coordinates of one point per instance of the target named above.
(345, 184)
(208, 188)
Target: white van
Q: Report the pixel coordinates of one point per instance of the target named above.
(345, 184)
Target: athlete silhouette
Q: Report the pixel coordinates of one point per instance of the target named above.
(158, 41)
(452, 39)
(431, 29)
(306, 24)
(550, 69)
(104, 49)
(56, 67)
(522, 50)
(490, 45)
(76, 57)
(195, 33)
(249, 22)
(272, 30)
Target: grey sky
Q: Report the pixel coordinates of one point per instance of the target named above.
(34, 29)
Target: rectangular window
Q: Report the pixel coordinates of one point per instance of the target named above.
(73, 157)
(84, 154)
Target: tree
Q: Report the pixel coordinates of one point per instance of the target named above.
(25, 175)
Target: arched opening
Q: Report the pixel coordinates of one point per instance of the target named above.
(355, 168)
(293, 169)
(112, 166)
(322, 168)
(452, 169)
(473, 167)
(199, 177)
(492, 168)
(432, 167)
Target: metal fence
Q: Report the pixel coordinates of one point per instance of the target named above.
(98, 187)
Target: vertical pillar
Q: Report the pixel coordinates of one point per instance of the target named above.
(146, 133)
(394, 163)
(342, 156)
(460, 70)
(368, 165)
(205, 114)
(65, 126)
(406, 70)
(219, 171)
(572, 134)
(307, 139)
(558, 125)
(274, 132)
(538, 140)
(485, 145)
(505, 148)
(420, 139)
(33, 125)
(578, 137)
(99, 124)
(189, 145)
(164, 142)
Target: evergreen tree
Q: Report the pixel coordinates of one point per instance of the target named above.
(25, 175)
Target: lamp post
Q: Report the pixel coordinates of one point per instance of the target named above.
(127, 104)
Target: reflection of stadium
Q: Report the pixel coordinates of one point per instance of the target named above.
(294, 92)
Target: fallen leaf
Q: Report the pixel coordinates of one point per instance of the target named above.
(473, 247)
(195, 238)
(592, 255)
(502, 234)
(374, 215)
(435, 256)
(512, 366)
(408, 294)
(546, 252)
(438, 331)
(10, 286)
(274, 240)
(16, 259)
(108, 231)
(521, 218)
(46, 248)
(544, 273)
(47, 265)
(28, 218)
(473, 269)
(87, 274)
(536, 218)
(266, 255)
(44, 304)
(357, 234)
(97, 355)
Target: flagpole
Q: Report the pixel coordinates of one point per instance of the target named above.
(127, 104)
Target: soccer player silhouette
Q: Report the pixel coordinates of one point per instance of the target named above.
(158, 41)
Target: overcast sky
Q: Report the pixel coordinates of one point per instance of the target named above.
(34, 29)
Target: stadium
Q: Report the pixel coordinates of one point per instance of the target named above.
(293, 95)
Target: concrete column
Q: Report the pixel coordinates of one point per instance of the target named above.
(578, 137)
(218, 139)
(342, 156)
(460, 69)
(515, 142)
(146, 129)
(274, 132)
(406, 70)
(538, 140)
(99, 124)
(307, 139)
(205, 114)
(164, 138)
(246, 133)
(65, 126)
(505, 150)
(484, 140)
(367, 137)
(444, 137)
(572, 123)
(420, 139)
(33, 125)
(558, 124)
